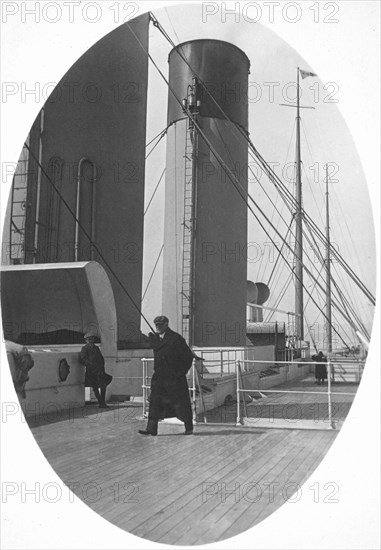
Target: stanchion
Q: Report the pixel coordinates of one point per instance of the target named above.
(330, 396)
(238, 423)
(144, 386)
(243, 389)
(194, 390)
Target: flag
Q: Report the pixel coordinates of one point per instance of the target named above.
(304, 74)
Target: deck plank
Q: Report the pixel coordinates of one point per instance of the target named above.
(185, 476)
(155, 487)
(184, 515)
(238, 510)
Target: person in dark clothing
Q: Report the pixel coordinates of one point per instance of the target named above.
(320, 369)
(95, 376)
(169, 388)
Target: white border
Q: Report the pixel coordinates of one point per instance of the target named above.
(346, 52)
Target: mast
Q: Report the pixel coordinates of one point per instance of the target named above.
(298, 230)
(328, 269)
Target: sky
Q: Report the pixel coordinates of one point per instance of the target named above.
(345, 52)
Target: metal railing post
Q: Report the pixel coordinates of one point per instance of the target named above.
(332, 372)
(238, 395)
(194, 389)
(329, 395)
(144, 386)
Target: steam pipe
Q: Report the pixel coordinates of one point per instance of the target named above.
(38, 193)
(77, 208)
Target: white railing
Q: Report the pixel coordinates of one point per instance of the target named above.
(146, 386)
(240, 391)
(340, 369)
(217, 359)
(303, 392)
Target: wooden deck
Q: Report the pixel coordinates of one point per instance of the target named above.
(174, 489)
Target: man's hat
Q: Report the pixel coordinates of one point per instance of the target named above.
(160, 320)
(90, 335)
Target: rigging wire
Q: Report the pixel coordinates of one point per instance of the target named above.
(173, 28)
(305, 267)
(313, 288)
(309, 327)
(232, 178)
(319, 210)
(285, 195)
(317, 251)
(275, 209)
(153, 194)
(323, 239)
(348, 290)
(335, 254)
(153, 271)
(277, 199)
(273, 177)
(348, 232)
(280, 297)
(158, 135)
(278, 257)
(315, 248)
(241, 192)
(283, 239)
(157, 143)
(323, 263)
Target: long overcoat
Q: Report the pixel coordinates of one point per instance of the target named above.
(91, 356)
(169, 388)
(320, 370)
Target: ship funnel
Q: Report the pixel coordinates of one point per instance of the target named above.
(205, 235)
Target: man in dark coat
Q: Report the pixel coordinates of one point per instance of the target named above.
(95, 376)
(169, 388)
(320, 369)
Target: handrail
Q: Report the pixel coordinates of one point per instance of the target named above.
(146, 386)
(218, 360)
(304, 392)
(274, 361)
(239, 420)
(240, 390)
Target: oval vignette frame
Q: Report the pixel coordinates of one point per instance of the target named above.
(270, 520)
